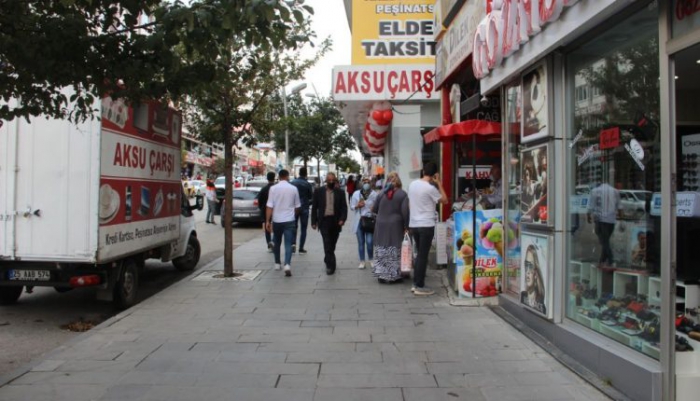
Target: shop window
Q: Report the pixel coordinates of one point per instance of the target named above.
(511, 131)
(613, 241)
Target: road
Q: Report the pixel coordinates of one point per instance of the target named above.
(33, 326)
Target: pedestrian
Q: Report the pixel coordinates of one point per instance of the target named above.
(424, 194)
(391, 208)
(361, 203)
(306, 192)
(328, 214)
(262, 205)
(210, 194)
(603, 210)
(350, 186)
(283, 206)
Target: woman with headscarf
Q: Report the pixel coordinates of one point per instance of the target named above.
(210, 193)
(391, 224)
(361, 203)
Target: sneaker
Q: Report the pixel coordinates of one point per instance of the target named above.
(294, 248)
(288, 270)
(425, 291)
(370, 263)
(270, 245)
(302, 251)
(278, 266)
(362, 265)
(413, 288)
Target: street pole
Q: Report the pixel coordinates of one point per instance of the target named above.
(286, 129)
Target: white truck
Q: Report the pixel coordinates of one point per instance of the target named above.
(84, 205)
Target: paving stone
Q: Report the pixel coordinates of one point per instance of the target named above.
(372, 368)
(261, 356)
(375, 394)
(376, 380)
(229, 379)
(440, 394)
(331, 356)
(263, 368)
(297, 381)
(526, 393)
(52, 392)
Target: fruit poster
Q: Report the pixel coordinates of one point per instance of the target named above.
(479, 255)
(535, 285)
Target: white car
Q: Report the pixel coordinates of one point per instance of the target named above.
(198, 187)
(633, 203)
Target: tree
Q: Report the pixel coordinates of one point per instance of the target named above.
(91, 46)
(315, 130)
(245, 64)
(346, 163)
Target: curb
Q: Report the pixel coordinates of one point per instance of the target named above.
(7, 378)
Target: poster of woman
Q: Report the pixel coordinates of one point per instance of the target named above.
(533, 188)
(535, 289)
(535, 113)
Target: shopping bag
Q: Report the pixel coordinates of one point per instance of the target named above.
(406, 254)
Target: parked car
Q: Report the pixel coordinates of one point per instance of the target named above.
(197, 188)
(245, 206)
(256, 183)
(633, 203)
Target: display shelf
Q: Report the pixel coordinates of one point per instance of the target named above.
(654, 294)
(592, 274)
(651, 350)
(623, 281)
(688, 371)
(687, 295)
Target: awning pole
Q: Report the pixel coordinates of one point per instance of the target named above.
(474, 233)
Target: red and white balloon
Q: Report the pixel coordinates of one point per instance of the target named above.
(377, 126)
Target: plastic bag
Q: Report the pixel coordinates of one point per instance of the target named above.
(406, 254)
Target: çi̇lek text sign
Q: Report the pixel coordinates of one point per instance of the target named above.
(393, 32)
(491, 239)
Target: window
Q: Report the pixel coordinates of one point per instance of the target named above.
(613, 239)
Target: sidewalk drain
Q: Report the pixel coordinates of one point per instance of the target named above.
(218, 275)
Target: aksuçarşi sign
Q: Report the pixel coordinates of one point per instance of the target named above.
(508, 25)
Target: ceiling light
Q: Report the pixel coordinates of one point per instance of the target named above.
(676, 77)
(697, 61)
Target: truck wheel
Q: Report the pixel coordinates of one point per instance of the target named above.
(127, 285)
(191, 257)
(10, 295)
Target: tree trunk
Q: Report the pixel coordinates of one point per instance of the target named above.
(306, 163)
(228, 200)
(318, 169)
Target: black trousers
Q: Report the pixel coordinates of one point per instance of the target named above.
(330, 231)
(604, 231)
(423, 238)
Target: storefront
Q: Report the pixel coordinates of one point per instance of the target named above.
(387, 96)
(605, 91)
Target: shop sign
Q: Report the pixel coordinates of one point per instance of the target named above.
(610, 138)
(508, 25)
(482, 172)
(686, 17)
(438, 26)
(384, 82)
(194, 158)
(392, 32)
(456, 44)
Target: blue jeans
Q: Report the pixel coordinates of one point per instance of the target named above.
(362, 239)
(285, 230)
(211, 208)
(302, 218)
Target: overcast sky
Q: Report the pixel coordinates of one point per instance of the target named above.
(329, 20)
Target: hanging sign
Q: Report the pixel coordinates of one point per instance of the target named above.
(610, 138)
(456, 45)
(380, 82)
(508, 25)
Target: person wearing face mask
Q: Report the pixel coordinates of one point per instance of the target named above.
(391, 208)
(361, 203)
(329, 211)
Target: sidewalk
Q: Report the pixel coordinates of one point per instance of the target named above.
(311, 337)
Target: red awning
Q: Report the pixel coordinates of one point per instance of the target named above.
(463, 129)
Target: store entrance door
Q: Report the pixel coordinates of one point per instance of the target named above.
(687, 166)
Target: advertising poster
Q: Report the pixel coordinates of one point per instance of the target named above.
(393, 32)
(139, 194)
(535, 109)
(533, 193)
(535, 286)
(492, 240)
(512, 262)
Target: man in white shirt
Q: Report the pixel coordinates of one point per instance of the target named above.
(423, 196)
(283, 205)
(603, 207)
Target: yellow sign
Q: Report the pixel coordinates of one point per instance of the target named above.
(393, 32)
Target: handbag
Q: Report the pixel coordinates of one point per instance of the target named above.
(406, 254)
(367, 223)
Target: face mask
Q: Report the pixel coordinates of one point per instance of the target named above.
(365, 187)
(330, 184)
(389, 185)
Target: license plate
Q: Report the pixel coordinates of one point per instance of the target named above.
(242, 214)
(30, 275)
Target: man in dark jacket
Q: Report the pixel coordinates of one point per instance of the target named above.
(306, 192)
(262, 201)
(328, 214)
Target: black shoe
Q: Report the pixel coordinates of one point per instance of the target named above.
(294, 248)
(302, 251)
(330, 272)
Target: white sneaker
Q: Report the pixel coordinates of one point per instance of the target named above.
(413, 288)
(370, 263)
(288, 270)
(278, 266)
(362, 265)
